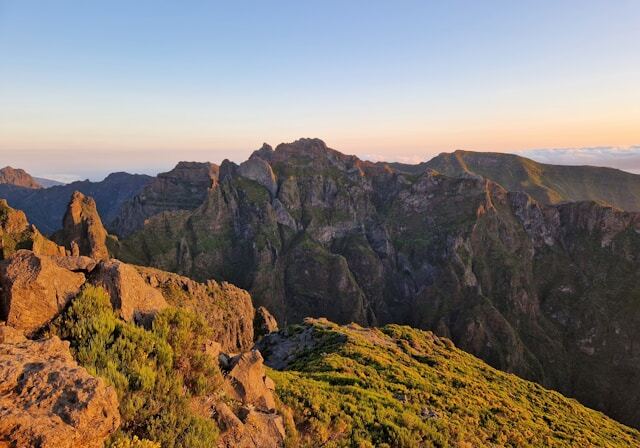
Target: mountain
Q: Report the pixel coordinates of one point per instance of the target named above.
(17, 177)
(46, 183)
(397, 386)
(546, 291)
(183, 188)
(549, 184)
(144, 358)
(45, 207)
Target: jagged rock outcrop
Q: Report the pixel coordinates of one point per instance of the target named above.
(264, 322)
(16, 233)
(82, 230)
(35, 289)
(48, 401)
(183, 188)
(134, 298)
(356, 241)
(255, 422)
(17, 177)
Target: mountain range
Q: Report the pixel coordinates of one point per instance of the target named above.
(530, 267)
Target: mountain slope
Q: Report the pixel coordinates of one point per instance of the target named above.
(549, 184)
(545, 291)
(45, 207)
(17, 177)
(396, 386)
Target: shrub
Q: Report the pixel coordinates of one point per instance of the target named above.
(142, 367)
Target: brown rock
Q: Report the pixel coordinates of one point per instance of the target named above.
(47, 400)
(227, 308)
(130, 293)
(82, 230)
(9, 335)
(248, 383)
(257, 429)
(34, 290)
(16, 233)
(264, 322)
(17, 177)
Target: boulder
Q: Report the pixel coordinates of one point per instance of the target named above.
(256, 430)
(131, 295)
(247, 382)
(47, 400)
(264, 322)
(34, 290)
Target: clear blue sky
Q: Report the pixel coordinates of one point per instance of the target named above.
(142, 84)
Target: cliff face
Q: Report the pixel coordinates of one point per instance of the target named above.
(183, 188)
(534, 289)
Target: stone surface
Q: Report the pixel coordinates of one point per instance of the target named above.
(35, 289)
(264, 322)
(82, 230)
(248, 383)
(227, 308)
(47, 401)
(131, 295)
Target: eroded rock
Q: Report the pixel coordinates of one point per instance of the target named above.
(48, 401)
(131, 295)
(35, 289)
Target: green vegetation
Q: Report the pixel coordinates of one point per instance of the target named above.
(401, 387)
(154, 372)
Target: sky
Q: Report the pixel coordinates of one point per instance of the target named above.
(89, 87)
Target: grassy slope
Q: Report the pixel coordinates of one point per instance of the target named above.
(547, 183)
(401, 387)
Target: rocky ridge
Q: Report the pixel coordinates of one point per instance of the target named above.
(530, 287)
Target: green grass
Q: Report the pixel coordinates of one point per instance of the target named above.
(401, 387)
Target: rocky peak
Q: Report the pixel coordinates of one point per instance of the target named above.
(17, 177)
(82, 230)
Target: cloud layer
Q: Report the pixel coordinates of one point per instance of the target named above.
(623, 158)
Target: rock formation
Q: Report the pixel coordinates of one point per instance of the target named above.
(18, 178)
(264, 322)
(255, 422)
(47, 401)
(35, 289)
(82, 230)
(16, 233)
(227, 308)
(135, 300)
